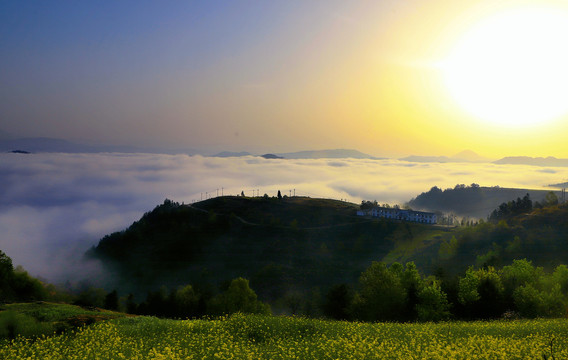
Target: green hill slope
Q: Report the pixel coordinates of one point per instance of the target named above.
(540, 236)
(292, 244)
(279, 244)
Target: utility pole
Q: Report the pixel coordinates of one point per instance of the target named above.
(290, 193)
(217, 192)
(294, 192)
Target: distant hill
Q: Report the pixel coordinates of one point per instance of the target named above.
(535, 161)
(426, 159)
(559, 185)
(225, 154)
(471, 201)
(50, 145)
(44, 145)
(328, 154)
(464, 156)
(271, 156)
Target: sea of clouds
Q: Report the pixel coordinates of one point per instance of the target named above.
(54, 207)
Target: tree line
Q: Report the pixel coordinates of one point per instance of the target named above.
(383, 293)
(397, 293)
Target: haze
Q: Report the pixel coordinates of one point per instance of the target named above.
(56, 206)
(279, 76)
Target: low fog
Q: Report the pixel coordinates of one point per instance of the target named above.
(53, 207)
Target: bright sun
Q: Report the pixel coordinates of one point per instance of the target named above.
(512, 68)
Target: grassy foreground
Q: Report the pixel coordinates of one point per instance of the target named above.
(265, 337)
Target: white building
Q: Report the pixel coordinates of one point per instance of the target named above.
(400, 214)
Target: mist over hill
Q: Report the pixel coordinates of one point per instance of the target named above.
(102, 193)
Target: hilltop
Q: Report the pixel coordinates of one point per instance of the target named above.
(472, 201)
(279, 244)
(297, 244)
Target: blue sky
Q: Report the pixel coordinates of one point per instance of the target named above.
(259, 76)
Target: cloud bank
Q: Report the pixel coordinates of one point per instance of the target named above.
(53, 207)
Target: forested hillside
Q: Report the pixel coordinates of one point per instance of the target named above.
(281, 245)
(297, 249)
(471, 201)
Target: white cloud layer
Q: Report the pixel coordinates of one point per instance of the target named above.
(53, 207)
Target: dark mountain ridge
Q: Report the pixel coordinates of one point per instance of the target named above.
(472, 201)
(534, 161)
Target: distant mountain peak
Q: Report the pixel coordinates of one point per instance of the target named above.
(470, 155)
(271, 156)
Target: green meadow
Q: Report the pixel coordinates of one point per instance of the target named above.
(239, 336)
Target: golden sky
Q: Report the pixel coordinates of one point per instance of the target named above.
(389, 78)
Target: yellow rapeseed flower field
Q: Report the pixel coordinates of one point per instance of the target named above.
(270, 337)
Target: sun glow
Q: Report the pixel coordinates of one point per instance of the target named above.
(512, 68)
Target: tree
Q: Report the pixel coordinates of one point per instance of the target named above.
(550, 199)
(432, 303)
(279, 195)
(337, 302)
(131, 306)
(413, 284)
(382, 296)
(111, 301)
(243, 193)
(519, 273)
(6, 276)
(448, 249)
(481, 292)
(529, 301)
(91, 297)
(25, 287)
(560, 277)
(239, 297)
(294, 300)
(186, 301)
(6, 266)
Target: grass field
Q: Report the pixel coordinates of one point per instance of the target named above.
(266, 337)
(31, 320)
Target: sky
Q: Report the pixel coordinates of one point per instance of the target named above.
(54, 207)
(386, 77)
